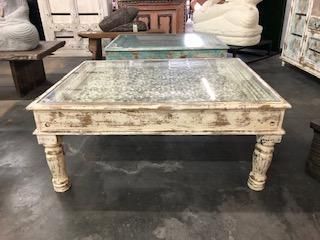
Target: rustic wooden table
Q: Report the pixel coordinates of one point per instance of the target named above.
(27, 66)
(156, 97)
(95, 44)
(166, 46)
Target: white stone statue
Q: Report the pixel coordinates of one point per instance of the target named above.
(16, 31)
(235, 22)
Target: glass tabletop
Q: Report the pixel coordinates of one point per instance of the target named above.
(148, 42)
(161, 81)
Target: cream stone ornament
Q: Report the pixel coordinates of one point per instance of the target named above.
(16, 31)
(235, 22)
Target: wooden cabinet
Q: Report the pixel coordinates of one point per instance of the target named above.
(302, 43)
(62, 20)
(168, 16)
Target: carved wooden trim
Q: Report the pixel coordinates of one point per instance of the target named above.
(261, 160)
(56, 162)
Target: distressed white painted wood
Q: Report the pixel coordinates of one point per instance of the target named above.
(55, 159)
(261, 160)
(63, 21)
(301, 46)
(161, 97)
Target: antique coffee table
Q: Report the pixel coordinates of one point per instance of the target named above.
(166, 46)
(160, 97)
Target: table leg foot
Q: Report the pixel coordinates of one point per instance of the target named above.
(261, 160)
(56, 162)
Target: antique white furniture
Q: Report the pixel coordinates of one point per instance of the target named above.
(302, 41)
(156, 97)
(62, 20)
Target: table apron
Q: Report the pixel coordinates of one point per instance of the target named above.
(153, 121)
(165, 54)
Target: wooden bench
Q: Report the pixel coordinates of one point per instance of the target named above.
(27, 66)
(95, 45)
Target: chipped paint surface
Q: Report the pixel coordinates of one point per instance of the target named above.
(301, 46)
(160, 121)
(166, 54)
(186, 97)
(164, 46)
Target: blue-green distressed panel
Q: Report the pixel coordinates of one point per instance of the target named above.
(130, 55)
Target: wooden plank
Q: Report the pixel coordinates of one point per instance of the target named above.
(44, 49)
(160, 121)
(95, 47)
(112, 35)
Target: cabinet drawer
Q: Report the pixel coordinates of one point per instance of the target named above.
(313, 52)
(292, 47)
(298, 25)
(314, 44)
(302, 6)
(314, 23)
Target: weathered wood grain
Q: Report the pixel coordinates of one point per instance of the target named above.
(261, 160)
(55, 159)
(44, 49)
(302, 35)
(160, 121)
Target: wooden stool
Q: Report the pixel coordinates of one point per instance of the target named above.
(27, 66)
(313, 163)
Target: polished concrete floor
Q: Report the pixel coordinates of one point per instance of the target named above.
(159, 187)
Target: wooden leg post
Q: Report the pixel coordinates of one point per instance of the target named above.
(95, 47)
(27, 75)
(55, 159)
(261, 160)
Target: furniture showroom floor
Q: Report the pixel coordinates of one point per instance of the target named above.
(159, 187)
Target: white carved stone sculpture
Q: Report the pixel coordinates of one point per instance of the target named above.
(235, 22)
(16, 31)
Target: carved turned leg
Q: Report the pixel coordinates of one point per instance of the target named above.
(55, 159)
(261, 160)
